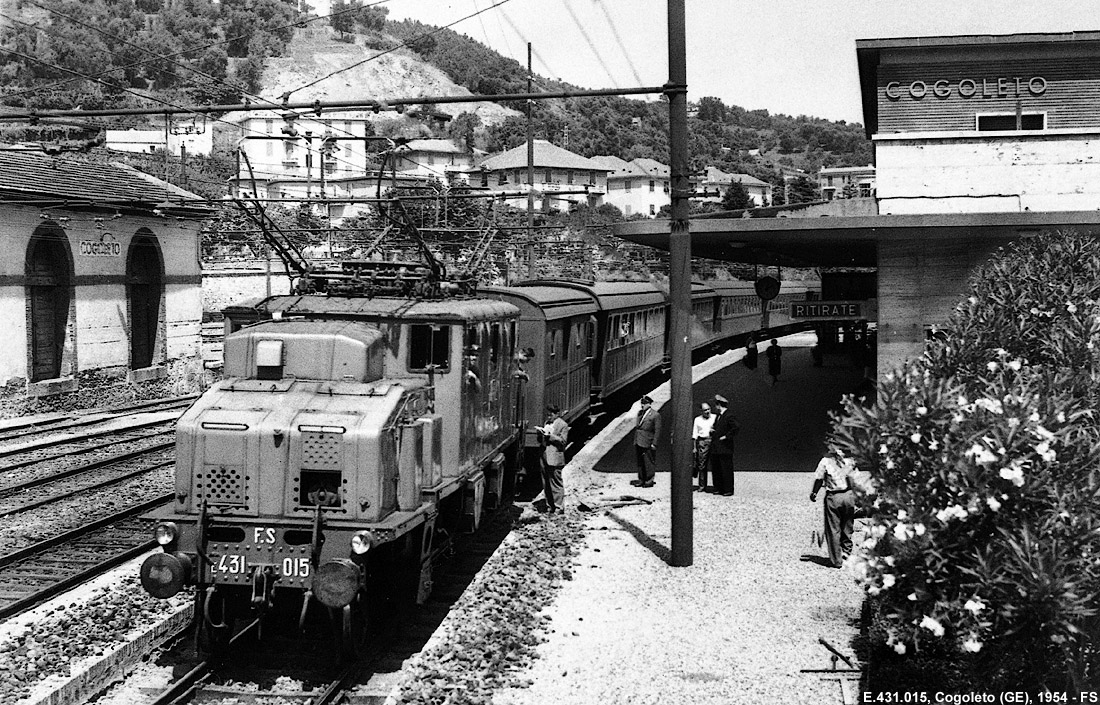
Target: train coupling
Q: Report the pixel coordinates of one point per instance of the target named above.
(263, 581)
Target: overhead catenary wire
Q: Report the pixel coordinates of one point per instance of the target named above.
(618, 39)
(591, 44)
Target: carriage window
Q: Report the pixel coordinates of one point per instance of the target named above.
(551, 344)
(494, 344)
(566, 330)
(429, 345)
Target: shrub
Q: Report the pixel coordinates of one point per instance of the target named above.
(984, 543)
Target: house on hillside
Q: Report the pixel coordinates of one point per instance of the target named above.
(716, 182)
(428, 158)
(562, 178)
(190, 138)
(846, 182)
(100, 291)
(637, 187)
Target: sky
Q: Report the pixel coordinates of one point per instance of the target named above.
(794, 57)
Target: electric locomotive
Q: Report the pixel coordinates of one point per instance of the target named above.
(350, 434)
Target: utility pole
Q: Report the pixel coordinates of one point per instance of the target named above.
(679, 287)
(530, 176)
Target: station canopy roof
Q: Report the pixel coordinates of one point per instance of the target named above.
(850, 241)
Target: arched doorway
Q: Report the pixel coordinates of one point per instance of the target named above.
(49, 272)
(144, 282)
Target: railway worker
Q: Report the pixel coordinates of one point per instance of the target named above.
(775, 360)
(646, 431)
(721, 448)
(834, 474)
(700, 435)
(554, 435)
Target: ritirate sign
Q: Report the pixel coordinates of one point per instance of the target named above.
(827, 310)
(95, 248)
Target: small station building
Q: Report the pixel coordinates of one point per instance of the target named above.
(100, 285)
(979, 140)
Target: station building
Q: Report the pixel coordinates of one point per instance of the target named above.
(979, 140)
(100, 289)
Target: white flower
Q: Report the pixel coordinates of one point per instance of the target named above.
(1014, 475)
(993, 503)
(899, 648)
(991, 405)
(890, 465)
(1016, 365)
(972, 645)
(912, 597)
(992, 366)
(961, 401)
(918, 529)
(974, 605)
(902, 515)
(1061, 417)
(1071, 307)
(955, 511)
(878, 531)
(932, 625)
(1045, 452)
(915, 437)
(888, 581)
(981, 454)
(1012, 421)
(883, 450)
(922, 410)
(1043, 433)
(901, 532)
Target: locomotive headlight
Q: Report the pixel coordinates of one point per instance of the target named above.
(361, 542)
(166, 532)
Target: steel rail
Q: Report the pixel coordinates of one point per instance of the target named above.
(80, 490)
(87, 467)
(97, 417)
(47, 442)
(27, 551)
(81, 451)
(189, 683)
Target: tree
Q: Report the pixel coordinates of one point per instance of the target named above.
(341, 19)
(371, 19)
(850, 190)
(802, 190)
(463, 129)
(737, 198)
(711, 109)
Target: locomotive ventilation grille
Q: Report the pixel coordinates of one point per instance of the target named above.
(322, 451)
(222, 485)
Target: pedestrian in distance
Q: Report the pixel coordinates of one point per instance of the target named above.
(750, 354)
(646, 430)
(774, 354)
(721, 448)
(553, 437)
(834, 474)
(700, 436)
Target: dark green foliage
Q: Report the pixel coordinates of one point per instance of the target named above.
(736, 198)
(802, 190)
(986, 454)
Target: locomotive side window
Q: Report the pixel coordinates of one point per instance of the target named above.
(429, 345)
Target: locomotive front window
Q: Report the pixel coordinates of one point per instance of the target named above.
(429, 345)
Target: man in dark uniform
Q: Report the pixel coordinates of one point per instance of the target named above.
(721, 447)
(646, 430)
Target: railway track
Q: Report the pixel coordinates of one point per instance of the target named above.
(13, 431)
(33, 574)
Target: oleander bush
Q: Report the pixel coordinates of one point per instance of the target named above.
(983, 550)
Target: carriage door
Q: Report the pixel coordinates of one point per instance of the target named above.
(144, 280)
(49, 292)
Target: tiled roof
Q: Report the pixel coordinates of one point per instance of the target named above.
(653, 167)
(446, 146)
(717, 176)
(546, 155)
(28, 176)
(619, 168)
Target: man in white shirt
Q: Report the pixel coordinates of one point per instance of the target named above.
(840, 505)
(700, 436)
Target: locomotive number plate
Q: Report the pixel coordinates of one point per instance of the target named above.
(290, 567)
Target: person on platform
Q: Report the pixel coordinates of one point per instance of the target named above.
(646, 430)
(721, 448)
(833, 473)
(751, 354)
(700, 436)
(774, 354)
(553, 436)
